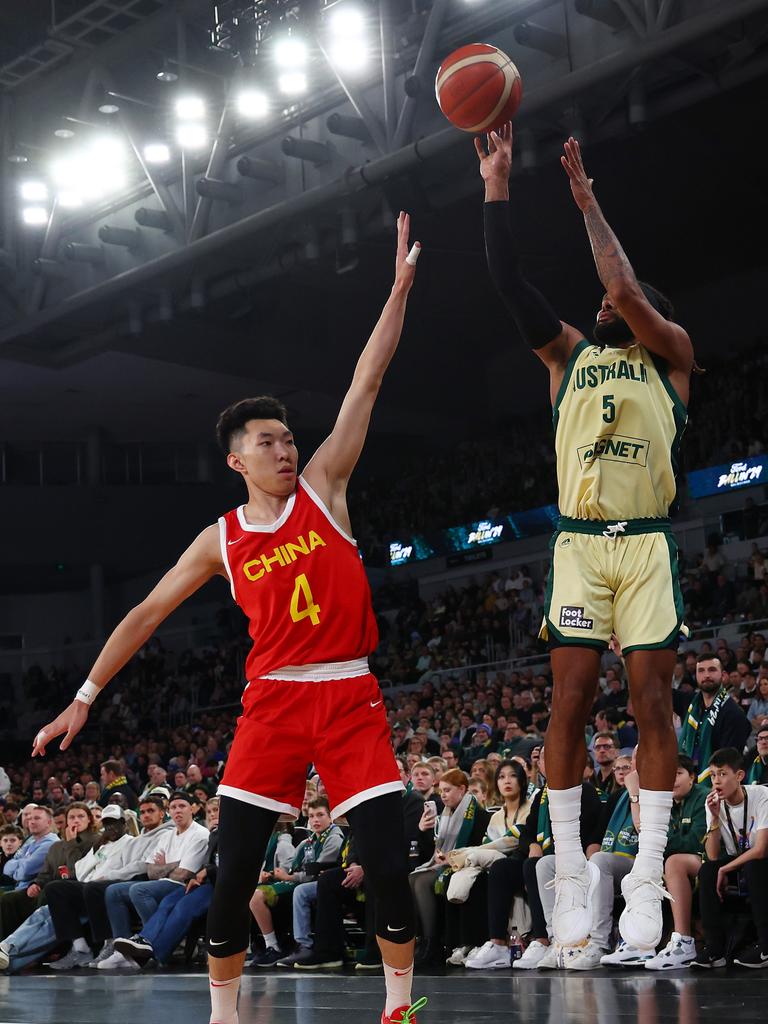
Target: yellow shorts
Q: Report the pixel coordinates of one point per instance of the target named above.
(606, 580)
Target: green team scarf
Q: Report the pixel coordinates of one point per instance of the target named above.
(696, 737)
(621, 836)
(269, 856)
(756, 772)
(462, 838)
(544, 823)
(275, 889)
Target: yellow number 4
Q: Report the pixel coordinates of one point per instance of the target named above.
(311, 610)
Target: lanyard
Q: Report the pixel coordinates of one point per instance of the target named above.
(742, 845)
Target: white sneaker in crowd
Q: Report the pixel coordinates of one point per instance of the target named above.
(551, 959)
(74, 958)
(118, 962)
(679, 952)
(626, 956)
(458, 956)
(573, 900)
(532, 957)
(640, 923)
(490, 957)
(586, 958)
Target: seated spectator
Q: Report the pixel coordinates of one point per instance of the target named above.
(319, 852)
(484, 771)
(758, 770)
(19, 872)
(11, 838)
(156, 776)
(682, 863)
(178, 856)
(479, 791)
(470, 923)
(736, 867)
(757, 713)
(451, 759)
(79, 836)
(162, 933)
(423, 782)
(440, 766)
(516, 741)
(605, 750)
(67, 898)
(93, 793)
(11, 813)
(59, 820)
(539, 869)
(462, 823)
(480, 746)
(113, 780)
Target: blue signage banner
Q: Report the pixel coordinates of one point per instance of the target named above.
(730, 476)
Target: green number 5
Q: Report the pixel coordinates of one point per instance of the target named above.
(609, 409)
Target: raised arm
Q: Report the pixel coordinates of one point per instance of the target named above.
(661, 336)
(197, 565)
(330, 468)
(540, 327)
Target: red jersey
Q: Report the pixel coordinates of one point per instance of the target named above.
(302, 585)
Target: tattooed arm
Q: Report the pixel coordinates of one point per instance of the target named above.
(661, 336)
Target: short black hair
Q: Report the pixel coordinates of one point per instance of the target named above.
(658, 300)
(728, 757)
(683, 761)
(155, 799)
(233, 419)
(708, 656)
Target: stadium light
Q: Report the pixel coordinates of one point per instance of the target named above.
(190, 108)
(108, 108)
(191, 136)
(157, 153)
(290, 53)
(252, 103)
(348, 50)
(34, 191)
(35, 216)
(69, 200)
(292, 83)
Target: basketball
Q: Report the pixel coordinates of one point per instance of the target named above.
(478, 88)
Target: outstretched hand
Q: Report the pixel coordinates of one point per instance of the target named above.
(70, 721)
(405, 262)
(581, 185)
(497, 162)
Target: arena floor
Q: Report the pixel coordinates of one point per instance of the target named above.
(347, 998)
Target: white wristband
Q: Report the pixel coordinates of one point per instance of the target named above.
(88, 692)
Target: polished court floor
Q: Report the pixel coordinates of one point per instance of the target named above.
(726, 997)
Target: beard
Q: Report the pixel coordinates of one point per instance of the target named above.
(710, 686)
(613, 332)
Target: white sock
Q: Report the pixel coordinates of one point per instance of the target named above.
(271, 940)
(399, 981)
(81, 946)
(224, 1000)
(565, 814)
(655, 810)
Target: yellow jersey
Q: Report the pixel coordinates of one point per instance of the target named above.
(618, 423)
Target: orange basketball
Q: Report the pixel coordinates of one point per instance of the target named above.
(478, 88)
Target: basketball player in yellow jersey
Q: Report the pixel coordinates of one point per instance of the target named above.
(619, 407)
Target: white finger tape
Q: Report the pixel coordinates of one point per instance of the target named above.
(413, 255)
(40, 738)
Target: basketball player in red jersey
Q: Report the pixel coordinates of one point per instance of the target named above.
(296, 572)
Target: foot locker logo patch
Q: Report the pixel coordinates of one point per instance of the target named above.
(574, 617)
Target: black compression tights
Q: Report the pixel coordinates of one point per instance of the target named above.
(244, 832)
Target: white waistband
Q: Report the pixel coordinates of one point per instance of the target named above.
(321, 672)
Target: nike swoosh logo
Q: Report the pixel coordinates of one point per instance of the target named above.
(212, 943)
(389, 929)
(375, 704)
(230, 542)
(401, 974)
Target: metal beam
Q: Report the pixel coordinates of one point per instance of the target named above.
(159, 187)
(175, 269)
(359, 102)
(216, 164)
(387, 69)
(423, 61)
(634, 19)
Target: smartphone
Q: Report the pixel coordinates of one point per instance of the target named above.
(430, 808)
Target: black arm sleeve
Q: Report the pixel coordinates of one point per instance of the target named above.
(536, 320)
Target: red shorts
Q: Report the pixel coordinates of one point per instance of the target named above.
(339, 725)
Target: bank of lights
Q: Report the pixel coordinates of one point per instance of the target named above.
(192, 136)
(190, 108)
(157, 153)
(252, 103)
(34, 191)
(290, 55)
(34, 216)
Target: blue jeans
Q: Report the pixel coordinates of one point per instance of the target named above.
(304, 897)
(31, 941)
(172, 919)
(147, 896)
(119, 909)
